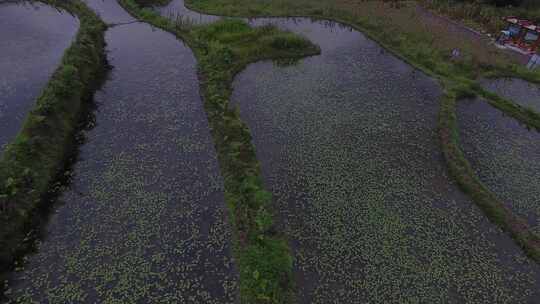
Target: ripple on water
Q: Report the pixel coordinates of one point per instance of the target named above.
(143, 221)
(34, 37)
(505, 156)
(348, 146)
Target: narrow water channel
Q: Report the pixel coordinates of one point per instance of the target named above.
(34, 37)
(143, 219)
(505, 156)
(517, 90)
(348, 146)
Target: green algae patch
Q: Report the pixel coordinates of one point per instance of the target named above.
(36, 159)
(223, 49)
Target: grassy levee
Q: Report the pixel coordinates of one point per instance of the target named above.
(399, 28)
(463, 173)
(223, 49)
(37, 157)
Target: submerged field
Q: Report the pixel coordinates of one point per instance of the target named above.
(30, 52)
(519, 91)
(505, 155)
(143, 219)
(166, 202)
(349, 148)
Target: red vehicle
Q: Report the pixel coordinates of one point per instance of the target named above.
(521, 34)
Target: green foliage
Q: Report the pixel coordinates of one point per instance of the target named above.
(429, 51)
(32, 162)
(287, 41)
(261, 277)
(223, 49)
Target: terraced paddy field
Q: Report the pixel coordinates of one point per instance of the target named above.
(348, 146)
(143, 219)
(505, 156)
(34, 37)
(519, 91)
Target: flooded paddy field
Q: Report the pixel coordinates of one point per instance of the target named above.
(176, 8)
(517, 90)
(34, 37)
(348, 146)
(143, 220)
(505, 156)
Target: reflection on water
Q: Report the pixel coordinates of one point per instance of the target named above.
(109, 11)
(519, 91)
(348, 146)
(176, 9)
(505, 156)
(34, 38)
(144, 220)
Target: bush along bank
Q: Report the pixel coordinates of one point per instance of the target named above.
(223, 49)
(38, 156)
(402, 31)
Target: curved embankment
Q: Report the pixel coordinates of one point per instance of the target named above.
(386, 206)
(457, 80)
(143, 219)
(34, 37)
(504, 155)
(38, 155)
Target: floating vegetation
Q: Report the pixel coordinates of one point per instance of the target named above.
(504, 155)
(36, 159)
(349, 148)
(144, 219)
(223, 49)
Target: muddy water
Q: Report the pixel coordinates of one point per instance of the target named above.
(34, 38)
(349, 148)
(505, 156)
(143, 220)
(519, 91)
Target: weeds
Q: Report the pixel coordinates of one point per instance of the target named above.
(223, 49)
(37, 156)
(426, 44)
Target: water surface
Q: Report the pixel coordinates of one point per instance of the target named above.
(505, 156)
(348, 146)
(517, 90)
(34, 38)
(177, 9)
(144, 218)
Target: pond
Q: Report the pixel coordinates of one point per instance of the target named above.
(34, 37)
(144, 218)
